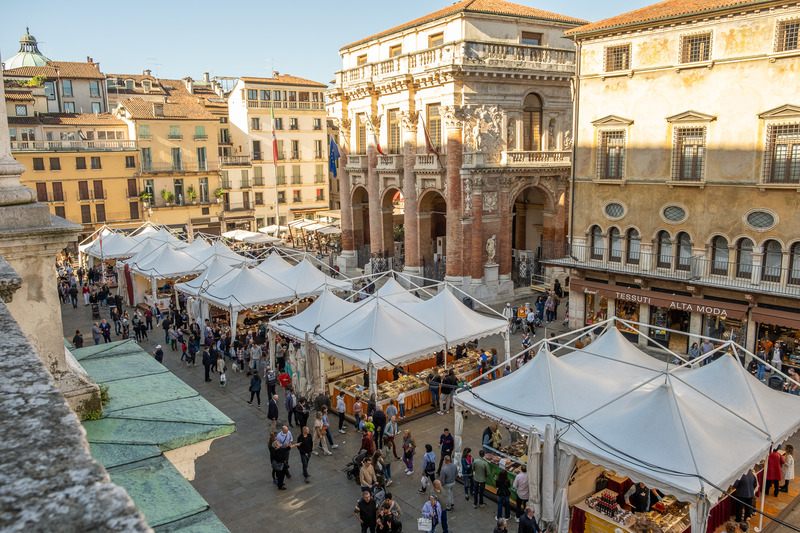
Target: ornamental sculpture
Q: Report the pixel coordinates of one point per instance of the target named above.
(483, 129)
(491, 249)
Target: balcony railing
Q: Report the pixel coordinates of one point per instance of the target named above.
(226, 184)
(390, 162)
(428, 162)
(319, 155)
(312, 106)
(280, 180)
(258, 182)
(234, 160)
(72, 146)
(357, 162)
(200, 137)
(245, 184)
(295, 155)
(50, 198)
(91, 195)
(297, 180)
(319, 178)
(518, 159)
(175, 137)
(464, 54)
(185, 166)
(694, 269)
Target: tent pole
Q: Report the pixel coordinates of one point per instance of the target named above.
(764, 488)
(445, 356)
(507, 336)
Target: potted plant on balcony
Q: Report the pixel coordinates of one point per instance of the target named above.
(191, 194)
(218, 192)
(167, 196)
(145, 197)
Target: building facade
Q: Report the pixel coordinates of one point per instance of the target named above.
(299, 182)
(685, 194)
(471, 108)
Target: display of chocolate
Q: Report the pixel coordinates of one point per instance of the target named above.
(670, 515)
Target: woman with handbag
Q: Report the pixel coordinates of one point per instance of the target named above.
(280, 456)
(408, 451)
(255, 389)
(503, 486)
(428, 468)
(431, 514)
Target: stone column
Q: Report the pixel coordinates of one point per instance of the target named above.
(758, 265)
(455, 259)
(347, 259)
(424, 233)
(30, 240)
(504, 238)
(387, 218)
(374, 190)
(409, 121)
(644, 318)
(476, 267)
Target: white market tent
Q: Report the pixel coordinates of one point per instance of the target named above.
(271, 230)
(165, 263)
(221, 251)
(274, 263)
(215, 270)
(111, 246)
(393, 292)
(307, 280)
(161, 235)
(687, 432)
(197, 246)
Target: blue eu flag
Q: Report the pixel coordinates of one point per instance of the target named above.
(333, 157)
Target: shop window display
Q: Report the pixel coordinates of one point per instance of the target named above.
(596, 309)
(665, 319)
(724, 328)
(628, 311)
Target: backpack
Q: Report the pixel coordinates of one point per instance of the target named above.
(271, 378)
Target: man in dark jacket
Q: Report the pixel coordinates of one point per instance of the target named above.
(207, 363)
(272, 413)
(379, 419)
(305, 445)
(527, 524)
(301, 412)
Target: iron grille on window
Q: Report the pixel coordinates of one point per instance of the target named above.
(788, 31)
(782, 157)
(688, 154)
(611, 157)
(696, 48)
(618, 58)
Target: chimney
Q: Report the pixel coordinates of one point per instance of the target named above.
(218, 90)
(206, 78)
(146, 72)
(89, 59)
(275, 73)
(189, 85)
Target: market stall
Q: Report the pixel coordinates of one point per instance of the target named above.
(686, 432)
(165, 263)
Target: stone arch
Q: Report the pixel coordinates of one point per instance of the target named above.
(390, 218)
(431, 223)
(359, 202)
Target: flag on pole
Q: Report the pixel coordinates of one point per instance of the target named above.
(274, 138)
(428, 143)
(374, 134)
(333, 157)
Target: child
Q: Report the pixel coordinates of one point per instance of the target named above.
(183, 352)
(401, 404)
(357, 408)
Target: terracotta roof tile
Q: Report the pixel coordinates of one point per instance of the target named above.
(23, 120)
(661, 11)
(81, 119)
(494, 7)
(53, 69)
(19, 96)
(284, 79)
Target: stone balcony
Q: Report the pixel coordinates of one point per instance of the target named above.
(74, 146)
(518, 159)
(466, 55)
(357, 162)
(390, 162)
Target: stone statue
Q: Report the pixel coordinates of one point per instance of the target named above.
(491, 248)
(511, 131)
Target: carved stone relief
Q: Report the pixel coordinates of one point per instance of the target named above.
(483, 129)
(490, 202)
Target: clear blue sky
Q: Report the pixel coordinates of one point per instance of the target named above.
(179, 38)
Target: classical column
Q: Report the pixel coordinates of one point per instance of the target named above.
(455, 257)
(387, 217)
(476, 267)
(374, 190)
(504, 238)
(347, 258)
(409, 120)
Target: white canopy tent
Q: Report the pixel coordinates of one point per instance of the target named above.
(220, 251)
(198, 245)
(274, 263)
(396, 293)
(111, 246)
(261, 238)
(307, 280)
(164, 263)
(271, 230)
(215, 270)
(161, 235)
(687, 432)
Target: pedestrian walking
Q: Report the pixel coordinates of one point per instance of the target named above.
(480, 473)
(77, 340)
(521, 486)
(527, 523)
(409, 448)
(280, 459)
(327, 426)
(386, 459)
(428, 468)
(290, 404)
(320, 441)
(446, 446)
(366, 512)
(503, 486)
(159, 354)
(206, 363)
(379, 419)
(271, 379)
(272, 412)
(305, 445)
(105, 327)
(221, 369)
(466, 473)
(301, 412)
(341, 408)
(448, 477)
(432, 510)
(389, 434)
(255, 389)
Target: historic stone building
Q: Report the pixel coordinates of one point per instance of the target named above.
(471, 106)
(687, 172)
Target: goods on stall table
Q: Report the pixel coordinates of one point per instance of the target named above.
(605, 502)
(670, 515)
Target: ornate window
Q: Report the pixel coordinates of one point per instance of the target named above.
(773, 257)
(614, 245)
(664, 245)
(719, 256)
(744, 258)
(683, 254)
(611, 155)
(794, 264)
(688, 154)
(618, 58)
(596, 236)
(782, 154)
(787, 35)
(634, 241)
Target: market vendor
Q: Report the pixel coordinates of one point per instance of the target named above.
(640, 498)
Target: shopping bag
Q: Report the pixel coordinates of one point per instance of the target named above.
(424, 524)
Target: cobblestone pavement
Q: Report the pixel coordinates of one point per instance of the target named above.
(235, 478)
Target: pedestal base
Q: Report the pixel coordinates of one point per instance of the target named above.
(80, 391)
(498, 291)
(490, 274)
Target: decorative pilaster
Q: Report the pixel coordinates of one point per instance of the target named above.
(409, 120)
(476, 268)
(453, 125)
(345, 189)
(504, 244)
(374, 190)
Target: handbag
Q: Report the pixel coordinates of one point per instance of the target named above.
(424, 524)
(277, 466)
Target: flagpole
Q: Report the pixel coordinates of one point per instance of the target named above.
(275, 169)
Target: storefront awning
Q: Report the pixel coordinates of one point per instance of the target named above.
(762, 315)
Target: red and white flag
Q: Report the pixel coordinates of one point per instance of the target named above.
(368, 120)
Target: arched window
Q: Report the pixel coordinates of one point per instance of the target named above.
(532, 123)
(614, 245)
(683, 254)
(664, 242)
(744, 258)
(794, 264)
(719, 256)
(634, 240)
(773, 257)
(597, 242)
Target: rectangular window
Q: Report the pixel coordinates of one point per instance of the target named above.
(258, 172)
(202, 161)
(435, 126)
(80, 163)
(177, 185)
(319, 174)
(436, 39)
(202, 190)
(177, 161)
(280, 175)
(255, 123)
(200, 133)
(50, 90)
(361, 60)
(252, 94)
(96, 163)
(99, 193)
(174, 132)
(66, 88)
(224, 135)
(94, 89)
(257, 150)
(224, 179)
(265, 95)
(688, 154)
(532, 38)
(276, 95)
(38, 163)
(259, 198)
(295, 149)
(618, 58)
(361, 133)
(695, 48)
(83, 190)
(245, 178)
(55, 163)
(21, 110)
(280, 150)
(132, 188)
(100, 210)
(317, 123)
(150, 187)
(130, 161)
(58, 192)
(134, 210)
(297, 196)
(787, 37)
(281, 197)
(278, 123)
(318, 153)
(69, 107)
(782, 164)
(296, 179)
(293, 124)
(61, 211)
(86, 214)
(292, 96)
(41, 192)
(394, 131)
(611, 155)
(144, 131)
(320, 195)
(147, 160)
(96, 107)
(395, 50)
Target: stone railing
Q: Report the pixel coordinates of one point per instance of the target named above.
(429, 162)
(390, 162)
(518, 159)
(72, 146)
(357, 162)
(49, 476)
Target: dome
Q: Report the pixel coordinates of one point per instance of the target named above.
(28, 55)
